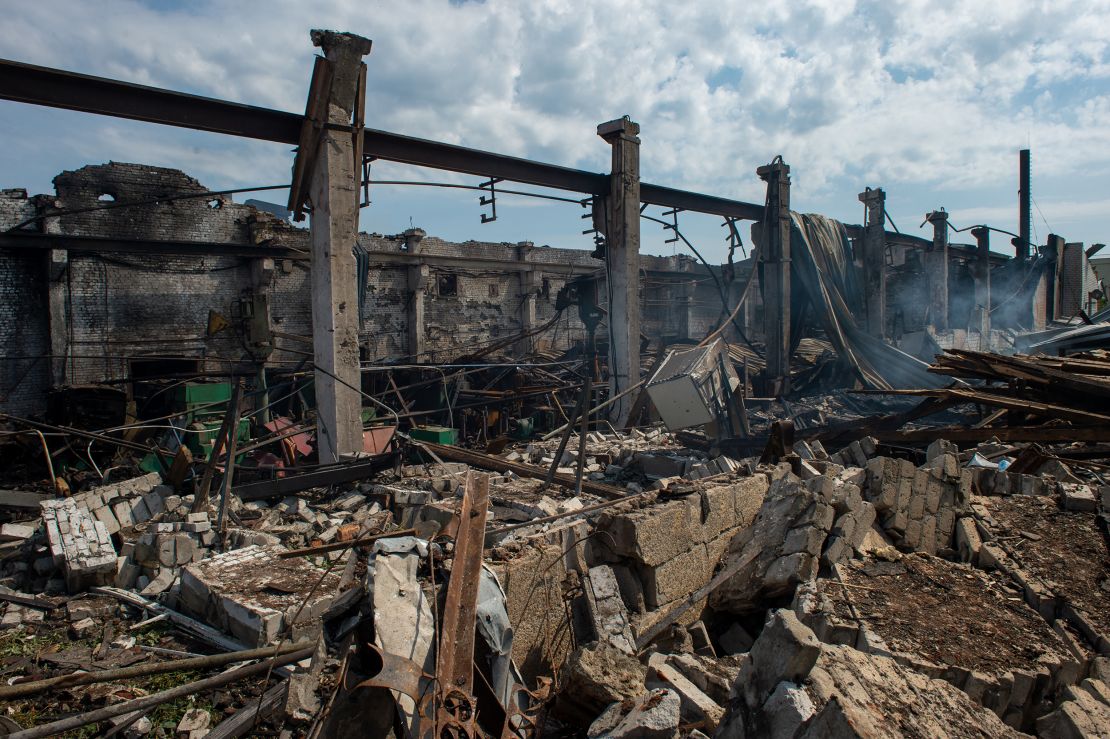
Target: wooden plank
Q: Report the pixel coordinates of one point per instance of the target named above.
(1003, 433)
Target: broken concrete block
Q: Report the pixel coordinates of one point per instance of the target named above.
(788, 707)
(786, 650)
(656, 715)
(607, 608)
(968, 541)
(735, 640)
(1077, 497)
(301, 700)
(597, 675)
(654, 535)
(695, 705)
(18, 531)
(252, 595)
(160, 583)
(677, 577)
(940, 447)
(83, 629)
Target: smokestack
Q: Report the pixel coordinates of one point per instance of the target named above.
(1025, 197)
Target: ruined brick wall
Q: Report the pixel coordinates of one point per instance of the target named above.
(24, 328)
(128, 305)
(122, 306)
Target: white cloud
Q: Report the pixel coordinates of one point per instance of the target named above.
(898, 93)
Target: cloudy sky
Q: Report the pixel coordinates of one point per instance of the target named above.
(930, 100)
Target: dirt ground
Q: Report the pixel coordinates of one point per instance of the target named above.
(1064, 549)
(944, 613)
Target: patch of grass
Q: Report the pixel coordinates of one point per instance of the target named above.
(151, 636)
(18, 643)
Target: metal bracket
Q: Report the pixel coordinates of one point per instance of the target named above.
(366, 162)
(490, 200)
(597, 219)
(672, 226)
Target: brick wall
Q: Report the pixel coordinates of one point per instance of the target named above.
(119, 306)
(24, 332)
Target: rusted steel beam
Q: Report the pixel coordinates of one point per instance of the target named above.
(28, 83)
(455, 661)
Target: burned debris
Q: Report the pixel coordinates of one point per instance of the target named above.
(255, 483)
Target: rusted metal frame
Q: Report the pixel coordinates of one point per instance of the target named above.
(321, 478)
(312, 130)
(587, 398)
(455, 654)
(568, 429)
(356, 132)
(201, 499)
(229, 468)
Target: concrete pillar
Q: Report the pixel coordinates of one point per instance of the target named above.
(530, 282)
(333, 192)
(622, 239)
(874, 260)
(936, 271)
(57, 300)
(982, 275)
(775, 259)
(1054, 250)
(418, 275)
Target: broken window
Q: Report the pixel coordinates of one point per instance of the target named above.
(447, 285)
(107, 197)
(494, 290)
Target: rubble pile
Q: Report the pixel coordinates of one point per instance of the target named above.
(858, 588)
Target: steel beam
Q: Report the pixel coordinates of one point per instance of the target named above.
(27, 83)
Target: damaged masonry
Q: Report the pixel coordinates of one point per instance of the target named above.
(272, 480)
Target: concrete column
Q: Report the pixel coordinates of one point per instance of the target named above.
(333, 192)
(775, 259)
(57, 300)
(529, 285)
(874, 260)
(418, 275)
(1054, 250)
(936, 271)
(982, 275)
(622, 239)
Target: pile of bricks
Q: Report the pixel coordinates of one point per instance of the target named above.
(252, 595)
(671, 549)
(79, 544)
(918, 507)
(124, 504)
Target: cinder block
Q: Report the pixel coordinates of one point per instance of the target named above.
(655, 535)
(677, 577)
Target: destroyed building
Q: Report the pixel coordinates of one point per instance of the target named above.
(853, 485)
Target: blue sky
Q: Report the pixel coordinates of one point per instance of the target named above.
(929, 100)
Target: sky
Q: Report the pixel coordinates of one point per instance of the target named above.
(928, 99)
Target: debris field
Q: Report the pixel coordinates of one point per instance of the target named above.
(263, 482)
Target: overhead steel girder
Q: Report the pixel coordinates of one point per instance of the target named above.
(27, 83)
